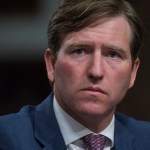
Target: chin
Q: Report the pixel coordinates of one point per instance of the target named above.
(90, 110)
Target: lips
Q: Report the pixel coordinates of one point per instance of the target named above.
(94, 89)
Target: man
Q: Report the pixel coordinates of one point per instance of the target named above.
(91, 62)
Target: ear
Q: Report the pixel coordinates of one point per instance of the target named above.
(50, 62)
(134, 72)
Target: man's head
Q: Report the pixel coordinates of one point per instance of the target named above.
(75, 15)
(92, 58)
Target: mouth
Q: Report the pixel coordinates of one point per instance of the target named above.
(94, 90)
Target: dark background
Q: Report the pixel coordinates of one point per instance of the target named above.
(23, 40)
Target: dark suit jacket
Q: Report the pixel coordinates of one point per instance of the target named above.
(36, 128)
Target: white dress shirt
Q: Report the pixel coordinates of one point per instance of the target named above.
(72, 131)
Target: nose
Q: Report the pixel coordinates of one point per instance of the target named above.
(96, 68)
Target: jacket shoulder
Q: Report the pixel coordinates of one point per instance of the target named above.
(14, 126)
(136, 127)
(18, 129)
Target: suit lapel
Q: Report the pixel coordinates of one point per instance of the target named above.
(55, 144)
(47, 131)
(123, 138)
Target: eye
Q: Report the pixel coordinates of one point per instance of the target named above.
(79, 51)
(113, 54)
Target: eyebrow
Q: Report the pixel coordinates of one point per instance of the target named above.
(75, 44)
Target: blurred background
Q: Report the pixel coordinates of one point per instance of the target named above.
(23, 40)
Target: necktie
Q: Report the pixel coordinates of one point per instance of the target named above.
(95, 142)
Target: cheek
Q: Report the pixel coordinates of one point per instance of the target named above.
(64, 73)
(125, 75)
(121, 80)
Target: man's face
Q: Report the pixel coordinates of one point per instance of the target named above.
(93, 69)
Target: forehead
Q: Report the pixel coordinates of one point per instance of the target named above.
(110, 30)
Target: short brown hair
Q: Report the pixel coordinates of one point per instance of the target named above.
(73, 15)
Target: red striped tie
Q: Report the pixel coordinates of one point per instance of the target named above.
(95, 142)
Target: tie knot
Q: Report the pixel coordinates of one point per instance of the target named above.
(95, 142)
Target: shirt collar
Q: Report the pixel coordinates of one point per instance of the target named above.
(72, 130)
